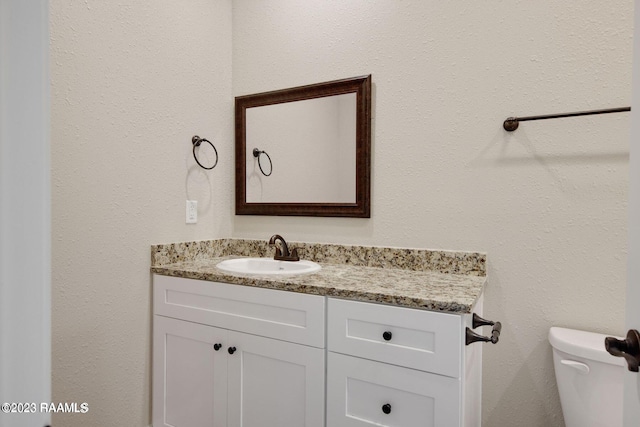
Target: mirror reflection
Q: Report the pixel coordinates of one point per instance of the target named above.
(305, 150)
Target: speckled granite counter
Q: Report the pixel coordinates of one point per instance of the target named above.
(417, 278)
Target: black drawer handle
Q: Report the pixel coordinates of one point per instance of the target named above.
(217, 346)
(387, 335)
(386, 408)
(231, 350)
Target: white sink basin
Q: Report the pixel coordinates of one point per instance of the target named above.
(268, 266)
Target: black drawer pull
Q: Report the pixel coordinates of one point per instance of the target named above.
(386, 408)
(217, 346)
(231, 350)
(387, 335)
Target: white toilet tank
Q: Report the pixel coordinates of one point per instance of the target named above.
(589, 379)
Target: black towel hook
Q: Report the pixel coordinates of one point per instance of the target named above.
(257, 153)
(196, 141)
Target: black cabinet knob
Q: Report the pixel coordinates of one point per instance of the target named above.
(386, 408)
(217, 347)
(387, 335)
(231, 350)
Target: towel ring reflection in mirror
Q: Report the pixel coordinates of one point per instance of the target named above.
(257, 153)
(196, 141)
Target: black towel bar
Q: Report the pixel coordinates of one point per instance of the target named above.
(471, 337)
(511, 123)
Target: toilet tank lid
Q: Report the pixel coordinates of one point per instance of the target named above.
(589, 345)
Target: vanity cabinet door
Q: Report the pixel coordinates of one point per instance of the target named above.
(274, 383)
(362, 393)
(189, 375)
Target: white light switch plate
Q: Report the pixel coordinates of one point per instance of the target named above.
(192, 211)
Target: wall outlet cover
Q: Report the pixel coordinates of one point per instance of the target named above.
(192, 211)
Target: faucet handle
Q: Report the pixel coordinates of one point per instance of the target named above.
(284, 254)
(292, 255)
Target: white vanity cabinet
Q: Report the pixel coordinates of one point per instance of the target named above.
(241, 356)
(392, 366)
(227, 355)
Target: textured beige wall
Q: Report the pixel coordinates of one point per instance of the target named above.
(131, 83)
(547, 203)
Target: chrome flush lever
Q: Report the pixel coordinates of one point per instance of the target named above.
(629, 348)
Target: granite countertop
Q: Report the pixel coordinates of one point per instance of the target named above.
(414, 285)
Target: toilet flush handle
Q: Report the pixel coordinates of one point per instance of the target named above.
(629, 348)
(582, 367)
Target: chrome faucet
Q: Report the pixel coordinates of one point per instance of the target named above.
(284, 254)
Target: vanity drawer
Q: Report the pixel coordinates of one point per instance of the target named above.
(282, 315)
(365, 393)
(418, 339)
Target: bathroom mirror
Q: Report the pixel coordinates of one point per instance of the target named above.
(305, 151)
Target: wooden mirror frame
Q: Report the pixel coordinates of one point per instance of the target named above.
(362, 206)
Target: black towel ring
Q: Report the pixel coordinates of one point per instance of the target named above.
(256, 153)
(196, 141)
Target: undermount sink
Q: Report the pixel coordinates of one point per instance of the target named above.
(268, 266)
